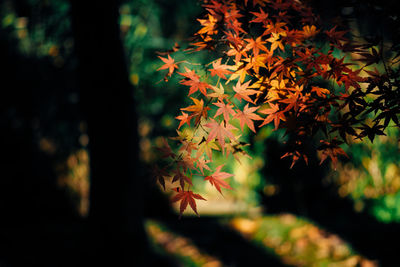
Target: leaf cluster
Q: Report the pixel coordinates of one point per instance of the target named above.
(269, 68)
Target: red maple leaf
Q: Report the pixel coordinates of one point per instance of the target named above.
(166, 150)
(179, 176)
(187, 197)
(160, 175)
(216, 179)
(332, 150)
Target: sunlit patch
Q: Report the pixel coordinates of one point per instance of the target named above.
(298, 242)
(181, 248)
(374, 179)
(73, 174)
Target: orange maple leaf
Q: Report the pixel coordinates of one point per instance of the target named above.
(321, 92)
(193, 80)
(276, 41)
(169, 64)
(309, 31)
(261, 17)
(242, 92)
(219, 70)
(184, 118)
(273, 115)
(198, 109)
(208, 25)
(225, 110)
(247, 116)
(220, 131)
(255, 45)
(201, 164)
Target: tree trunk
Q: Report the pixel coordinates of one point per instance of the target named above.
(115, 224)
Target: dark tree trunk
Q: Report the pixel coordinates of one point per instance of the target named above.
(116, 235)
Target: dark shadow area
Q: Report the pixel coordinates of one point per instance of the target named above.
(222, 242)
(38, 225)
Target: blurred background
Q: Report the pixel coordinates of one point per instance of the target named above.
(82, 109)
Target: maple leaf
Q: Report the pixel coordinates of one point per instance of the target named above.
(184, 118)
(198, 109)
(255, 45)
(209, 25)
(186, 163)
(187, 197)
(273, 115)
(206, 147)
(169, 64)
(166, 149)
(309, 31)
(205, 43)
(295, 157)
(242, 92)
(258, 61)
(179, 176)
(218, 92)
(321, 92)
(225, 110)
(183, 135)
(201, 164)
(216, 179)
(240, 71)
(193, 80)
(332, 150)
(187, 146)
(236, 43)
(160, 175)
(236, 149)
(292, 100)
(352, 78)
(261, 17)
(276, 41)
(247, 116)
(238, 53)
(336, 37)
(219, 70)
(232, 22)
(220, 131)
(275, 28)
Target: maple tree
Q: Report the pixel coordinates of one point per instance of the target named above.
(275, 64)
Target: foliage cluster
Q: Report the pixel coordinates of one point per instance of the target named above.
(280, 67)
